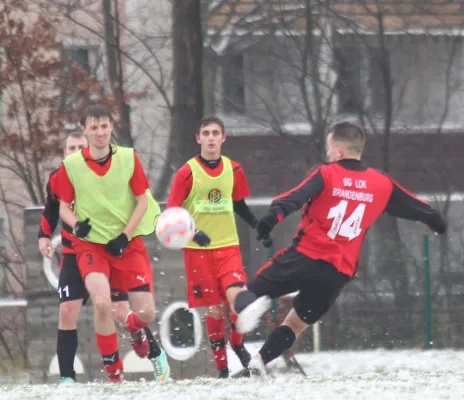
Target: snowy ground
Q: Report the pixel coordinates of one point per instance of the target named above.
(405, 375)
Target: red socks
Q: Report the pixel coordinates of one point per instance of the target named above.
(216, 332)
(108, 346)
(134, 323)
(235, 337)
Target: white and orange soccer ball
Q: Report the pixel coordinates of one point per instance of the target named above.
(175, 228)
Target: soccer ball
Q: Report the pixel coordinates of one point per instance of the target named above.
(175, 228)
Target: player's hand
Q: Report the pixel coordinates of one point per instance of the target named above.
(267, 241)
(265, 225)
(82, 228)
(117, 246)
(201, 238)
(439, 225)
(45, 247)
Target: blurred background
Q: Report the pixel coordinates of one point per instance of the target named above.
(278, 73)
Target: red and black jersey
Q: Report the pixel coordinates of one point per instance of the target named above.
(340, 201)
(51, 216)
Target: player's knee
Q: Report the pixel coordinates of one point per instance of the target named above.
(147, 315)
(102, 306)
(310, 315)
(69, 311)
(120, 310)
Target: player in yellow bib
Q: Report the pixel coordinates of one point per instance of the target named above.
(113, 209)
(212, 188)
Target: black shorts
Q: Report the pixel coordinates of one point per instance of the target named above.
(116, 295)
(318, 283)
(71, 286)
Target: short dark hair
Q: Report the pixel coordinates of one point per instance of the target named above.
(349, 133)
(75, 134)
(211, 119)
(97, 111)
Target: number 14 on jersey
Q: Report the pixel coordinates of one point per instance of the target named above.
(349, 227)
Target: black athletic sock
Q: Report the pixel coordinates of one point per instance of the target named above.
(155, 350)
(281, 339)
(66, 347)
(243, 300)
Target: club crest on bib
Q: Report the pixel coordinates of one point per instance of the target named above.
(214, 196)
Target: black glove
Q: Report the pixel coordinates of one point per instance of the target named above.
(267, 241)
(117, 246)
(201, 238)
(82, 228)
(438, 225)
(265, 225)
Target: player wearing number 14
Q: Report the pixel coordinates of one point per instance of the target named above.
(340, 200)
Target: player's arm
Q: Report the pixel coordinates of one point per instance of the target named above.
(244, 212)
(291, 201)
(141, 207)
(48, 221)
(181, 186)
(65, 192)
(139, 185)
(403, 204)
(240, 191)
(67, 215)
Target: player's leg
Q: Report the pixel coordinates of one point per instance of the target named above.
(95, 270)
(203, 291)
(142, 301)
(320, 286)
(138, 282)
(121, 309)
(216, 330)
(232, 278)
(276, 278)
(143, 341)
(71, 292)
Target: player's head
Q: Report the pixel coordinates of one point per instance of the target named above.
(210, 136)
(74, 142)
(345, 140)
(97, 126)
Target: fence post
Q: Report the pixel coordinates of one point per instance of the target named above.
(427, 294)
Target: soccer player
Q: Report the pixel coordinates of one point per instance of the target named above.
(341, 200)
(71, 290)
(212, 187)
(113, 208)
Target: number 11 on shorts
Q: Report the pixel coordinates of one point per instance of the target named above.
(64, 291)
(350, 228)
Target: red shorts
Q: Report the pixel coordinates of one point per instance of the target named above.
(210, 273)
(131, 270)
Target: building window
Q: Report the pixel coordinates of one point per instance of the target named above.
(233, 83)
(348, 64)
(76, 55)
(73, 55)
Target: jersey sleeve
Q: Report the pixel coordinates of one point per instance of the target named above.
(294, 199)
(64, 189)
(403, 204)
(51, 213)
(139, 181)
(241, 188)
(181, 186)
